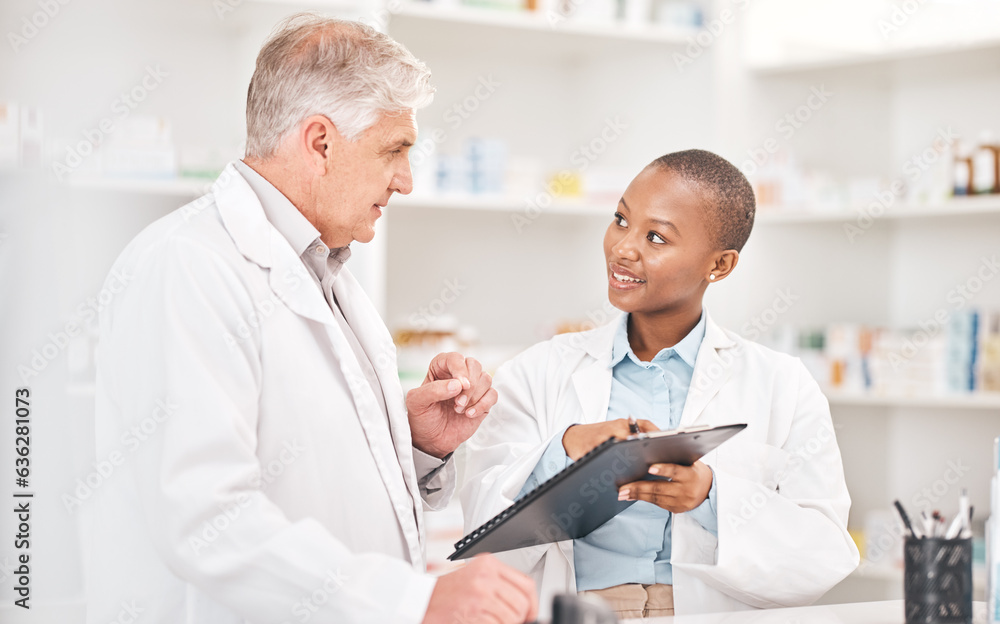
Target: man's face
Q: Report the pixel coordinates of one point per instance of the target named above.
(361, 177)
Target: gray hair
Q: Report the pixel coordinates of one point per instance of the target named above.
(347, 71)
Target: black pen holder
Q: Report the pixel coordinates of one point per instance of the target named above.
(937, 580)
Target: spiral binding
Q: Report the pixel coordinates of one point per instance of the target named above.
(528, 498)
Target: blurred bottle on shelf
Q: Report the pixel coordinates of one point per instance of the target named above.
(953, 353)
(21, 137)
(961, 174)
(678, 13)
(986, 165)
(989, 370)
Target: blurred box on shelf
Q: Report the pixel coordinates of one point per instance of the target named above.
(955, 353)
(678, 14)
(606, 183)
(10, 121)
(945, 168)
(32, 138)
(21, 136)
(487, 164)
(202, 162)
(140, 147)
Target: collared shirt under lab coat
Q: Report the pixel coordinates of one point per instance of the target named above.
(782, 501)
(268, 485)
(325, 264)
(634, 546)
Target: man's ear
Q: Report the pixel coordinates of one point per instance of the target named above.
(724, 264)
(316, 138)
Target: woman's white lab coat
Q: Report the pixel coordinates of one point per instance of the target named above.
(255, 478)
(782, 499)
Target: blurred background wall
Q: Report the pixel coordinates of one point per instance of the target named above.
(866, 126)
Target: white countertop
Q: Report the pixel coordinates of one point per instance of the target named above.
(889, 612)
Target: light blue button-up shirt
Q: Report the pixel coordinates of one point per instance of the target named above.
(634, 546)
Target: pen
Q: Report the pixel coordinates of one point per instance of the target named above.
(633, 426)
(906, 518)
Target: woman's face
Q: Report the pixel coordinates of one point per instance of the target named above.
(659, 248)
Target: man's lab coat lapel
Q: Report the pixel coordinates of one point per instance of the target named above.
(261, 243)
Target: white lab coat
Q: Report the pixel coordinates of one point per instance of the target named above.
(258, 480)
(782, 499)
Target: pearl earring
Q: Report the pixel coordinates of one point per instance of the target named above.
(711, 276)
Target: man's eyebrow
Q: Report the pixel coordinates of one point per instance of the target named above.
(403, 142)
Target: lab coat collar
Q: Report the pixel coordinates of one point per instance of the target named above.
(593, 382)
(279, 210)
(258, 240)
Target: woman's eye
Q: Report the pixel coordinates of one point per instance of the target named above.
(620, 220)
(655, 238)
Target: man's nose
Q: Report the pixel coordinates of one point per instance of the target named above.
(402, 182)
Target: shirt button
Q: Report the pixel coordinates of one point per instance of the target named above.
(320, 250)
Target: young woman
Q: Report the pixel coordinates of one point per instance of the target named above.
(759, 522)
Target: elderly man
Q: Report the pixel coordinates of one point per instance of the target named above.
(270, 468)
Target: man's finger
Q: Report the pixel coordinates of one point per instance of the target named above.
(473, 372)
(482, 403)
(526, 587)
(450, 366)
(431, 392)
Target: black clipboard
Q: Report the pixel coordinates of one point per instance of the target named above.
(584, 496)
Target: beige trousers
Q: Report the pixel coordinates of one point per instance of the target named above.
(633, 601)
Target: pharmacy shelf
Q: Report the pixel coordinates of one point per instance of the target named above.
(957, 207)
(529, 21)
(883, 58)
(972, 401)
(501, 203)
(986, 205)
(171, 187)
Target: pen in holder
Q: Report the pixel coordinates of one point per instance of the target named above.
(937, 580)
